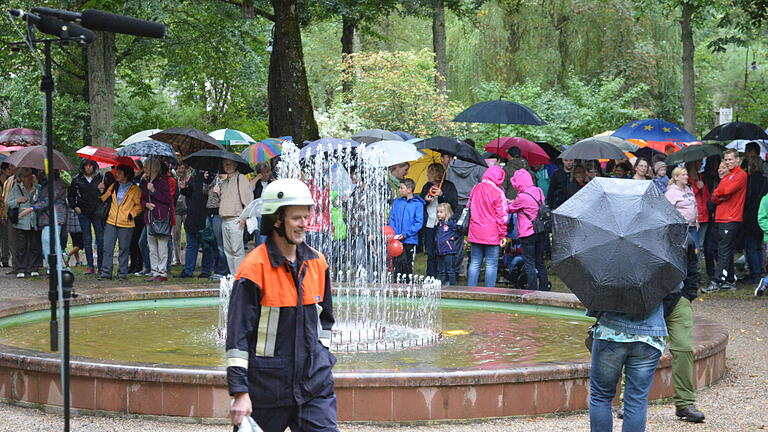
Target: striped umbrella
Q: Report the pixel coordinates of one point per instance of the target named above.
(230, 137)
(263, 150)
(21, 137)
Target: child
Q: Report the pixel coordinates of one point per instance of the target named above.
(661, 180)
(445, 239)
(407, 218)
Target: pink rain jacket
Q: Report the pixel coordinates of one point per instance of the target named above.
(488, 209)
(526, 206)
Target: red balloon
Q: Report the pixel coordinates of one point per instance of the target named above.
(388, 231)
(394, 248)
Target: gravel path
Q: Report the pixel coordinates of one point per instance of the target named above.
(737, 403)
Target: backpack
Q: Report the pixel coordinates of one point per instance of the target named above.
(543, 221)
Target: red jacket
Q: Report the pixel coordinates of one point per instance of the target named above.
(729, 196)
(702, 196)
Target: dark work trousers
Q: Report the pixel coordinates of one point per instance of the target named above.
(726, 247)
(431, 249)
(315, 415)
(29, 251)
(404, 262)
(136, 257)
(533, 256)
(459, 257)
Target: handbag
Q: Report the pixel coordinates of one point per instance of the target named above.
(462, 224)
(590, 337)
(13, 212)
(159, 227)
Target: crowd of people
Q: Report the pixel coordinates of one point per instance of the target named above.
(138, 210)
(721, 199)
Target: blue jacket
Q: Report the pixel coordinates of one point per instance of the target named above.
(445, 237)
(652, 324)
(407, 218)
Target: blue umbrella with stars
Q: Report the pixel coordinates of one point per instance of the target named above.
(654, 130)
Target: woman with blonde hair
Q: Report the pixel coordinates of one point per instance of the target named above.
(681, 196)
(156, 200)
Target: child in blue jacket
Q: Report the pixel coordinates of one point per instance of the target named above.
(407, 218)
(445, 237)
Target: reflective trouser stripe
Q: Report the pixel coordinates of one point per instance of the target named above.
(267, 332)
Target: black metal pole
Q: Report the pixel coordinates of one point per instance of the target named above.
(46, 85)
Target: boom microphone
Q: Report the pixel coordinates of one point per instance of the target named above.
(54, 26)
(109, 22)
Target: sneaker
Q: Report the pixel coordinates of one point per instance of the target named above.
(728, 286)
(140, 273)
(712, 287)
(760, 290)
(90, 271)
(690, 414)
(20, 275)
(33, 274)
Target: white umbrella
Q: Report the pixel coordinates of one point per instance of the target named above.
(139, 136)
(388, 153)
(741, 145)
(232, 137)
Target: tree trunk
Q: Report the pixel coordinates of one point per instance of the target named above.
(101, 88)
(348, 31)
(290, 104)
(689, 95)
(438, 44)
(248, 9)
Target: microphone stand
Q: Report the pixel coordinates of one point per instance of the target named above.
(58, 294)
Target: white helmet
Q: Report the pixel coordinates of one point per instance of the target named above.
(285, 192)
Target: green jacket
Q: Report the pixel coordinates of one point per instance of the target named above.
(762, 217)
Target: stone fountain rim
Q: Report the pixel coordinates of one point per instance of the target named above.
(38, 361)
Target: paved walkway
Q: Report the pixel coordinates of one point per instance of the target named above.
(739, 402)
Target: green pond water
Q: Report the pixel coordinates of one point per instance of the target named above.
(476, 335)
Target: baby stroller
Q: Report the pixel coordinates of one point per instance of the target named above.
(511, 258)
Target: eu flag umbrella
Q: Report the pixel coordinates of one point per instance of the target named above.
(619, 245)
(654, 130)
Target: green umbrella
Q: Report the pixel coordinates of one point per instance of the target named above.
(693, 153)
(230, 137)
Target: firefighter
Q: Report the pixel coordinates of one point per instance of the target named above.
(279, 368)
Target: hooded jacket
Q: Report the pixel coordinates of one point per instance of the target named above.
(85, 194)
(488, 209)
(526, 205)
(464, 175)
(407, 218)
(730, 195)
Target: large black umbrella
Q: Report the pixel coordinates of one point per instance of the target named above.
(736, 130)
(454, 147)
(619, 245)
(693, 153)
(500, 112)
(211, 160)
(551, 151)
(593, 148)
(187, 140)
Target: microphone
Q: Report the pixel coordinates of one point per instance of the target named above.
(54, 26)
(28, 17)
(105, 21)
(58, 13)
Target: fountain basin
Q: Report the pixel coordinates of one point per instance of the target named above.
(31, 377)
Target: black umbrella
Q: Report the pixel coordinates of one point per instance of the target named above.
(648, 153)
(693, 153)
(187, 140)
(500, 112)
(454, 147)
(211, 160)
(548, 148)
(736, 130)
(593, 148)
(619, 245)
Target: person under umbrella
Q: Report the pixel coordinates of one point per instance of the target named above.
(122, 200)
(29, 252)
(641, 169)
(83, 196)
(578, 180)
(487, 226)
(757, 187)
(235, 194)
(526, 205)
(436, 191)
(7, 231)
(40, 207)
(156, 197)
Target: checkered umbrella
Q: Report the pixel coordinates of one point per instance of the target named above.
(21, 137)
(187, 140)
(263, 150)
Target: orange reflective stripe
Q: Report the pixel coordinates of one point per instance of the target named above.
(276, 283)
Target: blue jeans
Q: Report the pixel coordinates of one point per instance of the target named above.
(753, 249)
(190, 257)
(477, 253)
(608, 359)
(98, 230)
(446, 269)
(533, 256)
(220, 260)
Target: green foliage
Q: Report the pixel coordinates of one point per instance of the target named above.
(396, 91)
(577, 111)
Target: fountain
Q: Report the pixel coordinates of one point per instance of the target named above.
(408, 349)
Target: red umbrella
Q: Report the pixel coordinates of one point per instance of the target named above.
(106, 156)
(21, 137)
(531, 151)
